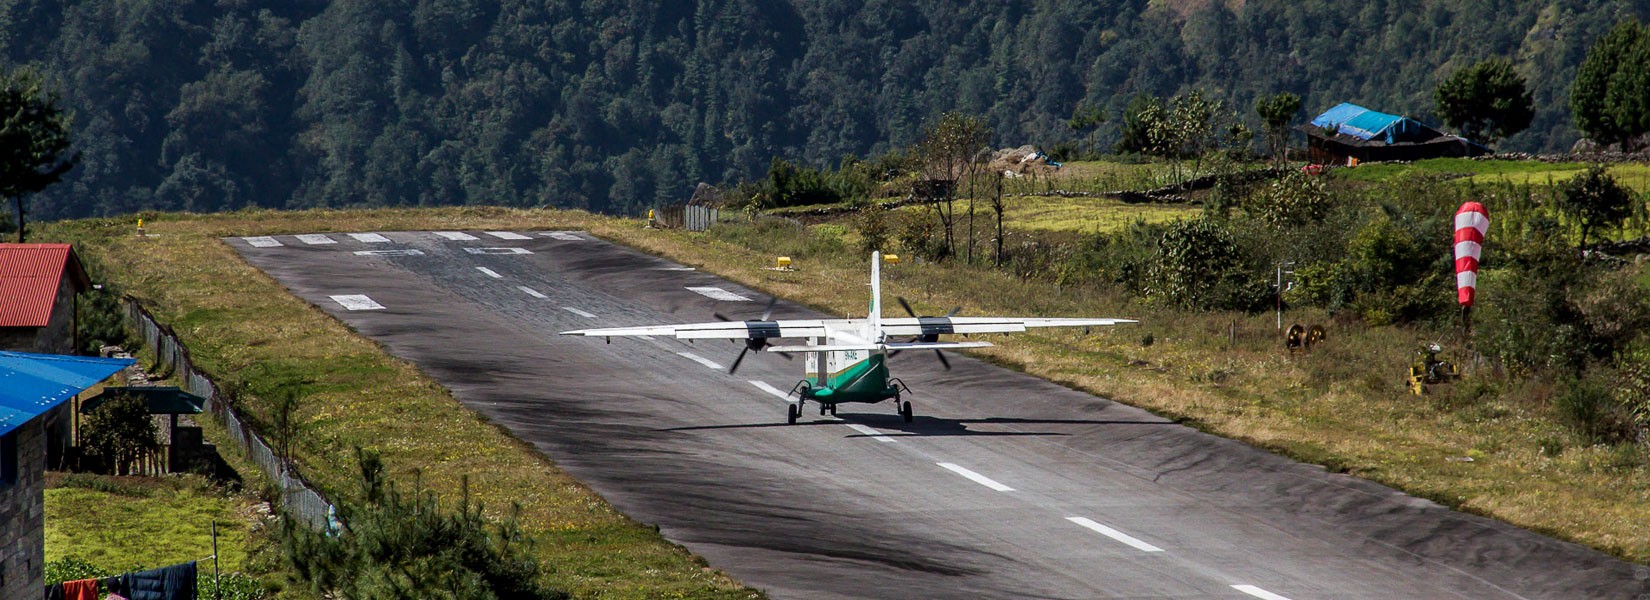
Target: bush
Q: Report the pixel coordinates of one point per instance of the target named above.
(1199, 265)
(119, 432)
(875, 227)
(1121, 258)
(920, 236)
(1588, 408)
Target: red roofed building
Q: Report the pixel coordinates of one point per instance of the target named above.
(38, 286)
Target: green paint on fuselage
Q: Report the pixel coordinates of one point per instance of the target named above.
(866, 381)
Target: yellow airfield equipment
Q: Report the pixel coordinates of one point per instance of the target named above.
(1429, 369)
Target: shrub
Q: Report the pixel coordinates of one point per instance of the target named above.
(1588, 408)
(1199, 265)
(920, 236)
(119, 432)
(875, 227)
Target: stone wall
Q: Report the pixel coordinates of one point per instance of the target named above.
(23, 517)
(57, 337)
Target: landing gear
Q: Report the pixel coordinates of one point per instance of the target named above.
(827, 409)
(794, 411)
(904, 410)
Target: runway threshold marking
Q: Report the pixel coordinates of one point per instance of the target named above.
(716, 293)
(490, 273)
(566, 236)
(457, 236)
(578, 312)
(315, 239)
(531, 292)
(356, 302)
(872, 433)
(700, 359)
(975, 477)
(508, 250)
(1115, 534)
(262, 241)
(508, 235)
(370, 238)
(1257, 592)
(398, 252)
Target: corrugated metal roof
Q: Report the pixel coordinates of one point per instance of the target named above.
(29, 277)
(1365, 124)
(31, 384)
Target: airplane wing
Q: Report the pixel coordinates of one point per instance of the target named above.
(887, 346)
(964, 325)
(733, 330)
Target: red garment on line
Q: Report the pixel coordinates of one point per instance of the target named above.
(83, 589)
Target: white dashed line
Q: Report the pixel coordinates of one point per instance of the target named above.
(578, 312)
(315, 239)
(1115, 534)
(675, 269)
(716, 293)
(1257, 592)
(975, 477)
(403, 252)
(763, 385)
(874, 434)
(457, 236)
(490, 273)
(508, 235)
(370, 238)
(357, 302)
(498, 251)
(565, 236)
(531, 292)
(700, 359)
(263, 241)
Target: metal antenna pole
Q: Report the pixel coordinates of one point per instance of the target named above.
(217, 584)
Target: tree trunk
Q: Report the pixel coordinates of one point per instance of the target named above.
(998, 208)
(19, 218)
(971, 221)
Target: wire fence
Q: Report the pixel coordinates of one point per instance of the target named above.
(298, 499)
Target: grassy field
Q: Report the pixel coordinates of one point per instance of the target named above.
(129, 523)
(1085, 215)
(1492, 172)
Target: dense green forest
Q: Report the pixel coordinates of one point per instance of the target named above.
(614, 105)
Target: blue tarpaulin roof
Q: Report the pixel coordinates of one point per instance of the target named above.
(1365, 124)
(31, 384)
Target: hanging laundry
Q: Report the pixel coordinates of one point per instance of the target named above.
(176, 582)
(80, 589)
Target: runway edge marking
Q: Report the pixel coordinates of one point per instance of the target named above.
(578, 312)
(1258, 593)
(490, 273)
(975, 477)
(356, 302)
(1115, 534)
(531, 292)
(700, 359)
(872, 433)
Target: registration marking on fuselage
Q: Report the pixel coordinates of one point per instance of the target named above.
(1125, 538)
(578, 312)
(370, 238)
(457, 236)
(401, 252)
(716, 293)
(531, 292)
(262, 241)
(700, 359)
(1257, 592)
(315, 239)
(975, 477)
(871, 433)
(356, 302)
(508, 235)
(490, 273)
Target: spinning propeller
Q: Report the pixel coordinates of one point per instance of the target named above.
(926, 338)
(752, 343)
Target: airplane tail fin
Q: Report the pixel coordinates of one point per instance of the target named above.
(876, 296)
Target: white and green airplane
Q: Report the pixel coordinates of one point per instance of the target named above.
(847, 358)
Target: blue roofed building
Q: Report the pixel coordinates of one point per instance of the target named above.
(1348, 131)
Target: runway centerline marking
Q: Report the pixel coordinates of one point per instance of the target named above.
(700, 359)
(566, 236)
(509, 250)
(490, 273)
(531, 292)
(674, 269)
(874, 434)
(457, 236)
(356, 302)
(716, 293)
(370, 238)
(975, 477)
(763, 385)
(1115, 534)
(578, 312)
(508, 235)
(262, 241)
(315, 239)
(1257, 592)
(401, 252)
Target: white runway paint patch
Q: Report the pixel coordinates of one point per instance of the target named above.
(975, 477)
(578, 312)
(404, 252)
(1115, 534)
(498, 251)
(716, 293)
(370, 238)
(1257, 592)
(531, 292)
(700, 359)
(566, 236)
(872, 433)
(508, 235)
(457, 236)
(263, 241)
(763, 385)
(675, 269)
(490, 273)
(315, 239)
(356, 302)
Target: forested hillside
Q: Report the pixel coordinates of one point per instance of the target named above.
(614, 105)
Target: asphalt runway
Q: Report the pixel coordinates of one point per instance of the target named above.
(1005, 486)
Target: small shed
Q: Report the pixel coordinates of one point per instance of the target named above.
(183, 445)
(1349, 133)
(38, 288)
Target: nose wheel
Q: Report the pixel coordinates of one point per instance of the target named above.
(794, 411)
(904, 410)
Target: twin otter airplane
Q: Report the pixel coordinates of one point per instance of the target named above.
(847, 359)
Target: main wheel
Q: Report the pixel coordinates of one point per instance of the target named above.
(793, 411)
(905, 411)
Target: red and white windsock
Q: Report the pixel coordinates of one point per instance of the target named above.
(1471, 222)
